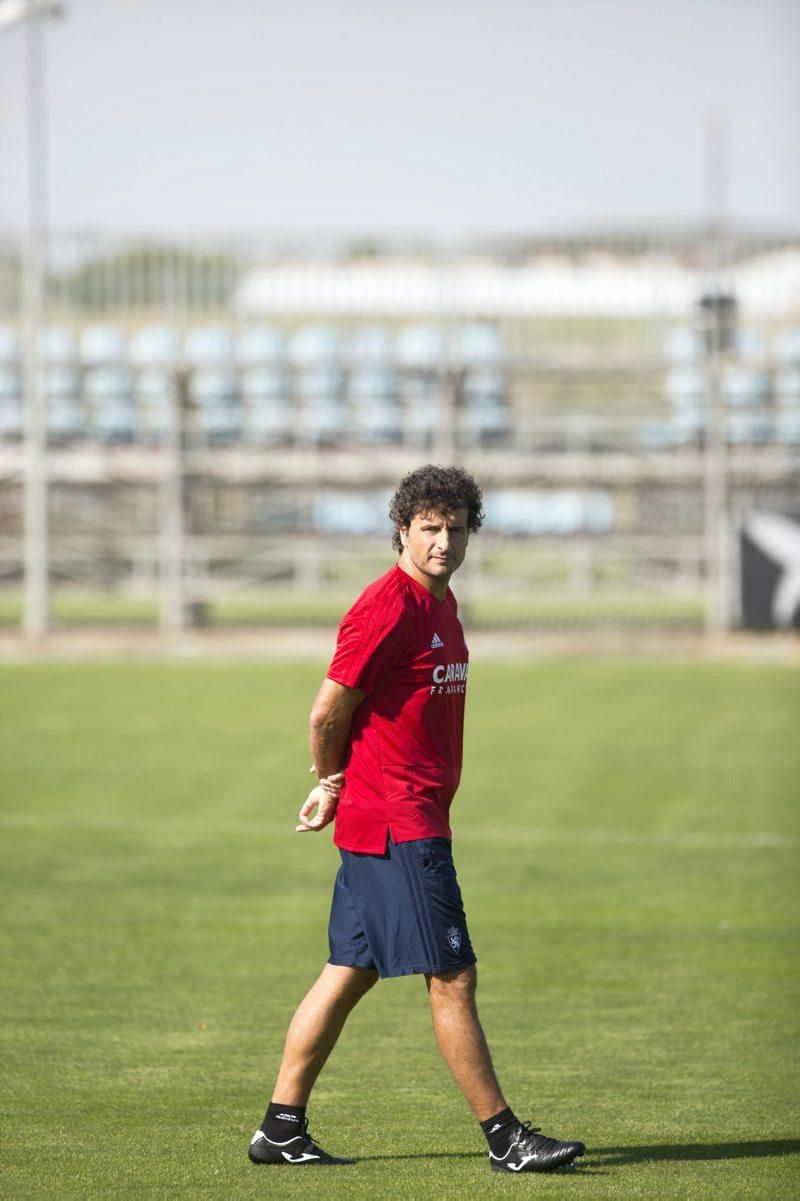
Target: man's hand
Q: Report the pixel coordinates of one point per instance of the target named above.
(324, 798)
(332, 784)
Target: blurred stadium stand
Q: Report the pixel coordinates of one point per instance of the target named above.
(574, 378)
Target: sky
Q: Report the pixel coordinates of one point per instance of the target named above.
(408, 117)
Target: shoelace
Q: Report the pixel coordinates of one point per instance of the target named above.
(309, 1137)
(528, 1133)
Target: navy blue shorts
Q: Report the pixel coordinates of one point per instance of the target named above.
(400, 912)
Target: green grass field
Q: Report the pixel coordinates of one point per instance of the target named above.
(627, 843)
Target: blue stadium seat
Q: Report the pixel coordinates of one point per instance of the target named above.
(787, 386)
(109, 399)
(373, 401)
(786, 426)
(655, 435)
(524, 511)
(687, 427)
(686, 387)
(314, 346)
(321, 419)
(156, 389)
(266, 382)
(61, 389)
(259, 345)
(744, 388)
(10, 403)
(103, 346)
(10, 351)
(750, 343)
(267, 405)
(421, 346)
(213, 392)
(351, 512)
(420, 394)
(483, 417)
(748, 427)
(478, 345)
(209, 346)
(789, 347)
(371, 345)
(685, 346)
(155, 346)
(57, 346)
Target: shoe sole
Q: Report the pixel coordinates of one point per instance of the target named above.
(308, 1163)
(546, 1168)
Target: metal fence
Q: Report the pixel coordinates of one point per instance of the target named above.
(221, 426)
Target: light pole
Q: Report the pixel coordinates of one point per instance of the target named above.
(29, 13)
(719, 324)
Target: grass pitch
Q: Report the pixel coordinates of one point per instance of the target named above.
(627, 843)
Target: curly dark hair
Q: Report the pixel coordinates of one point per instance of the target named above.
(432, 489)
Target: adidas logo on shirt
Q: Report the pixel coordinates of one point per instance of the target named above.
(436, 643)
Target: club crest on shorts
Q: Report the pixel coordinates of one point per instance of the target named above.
(454, 938)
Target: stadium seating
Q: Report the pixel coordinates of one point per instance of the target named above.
(348, 512)
(522, 511)
(209, 346)
(371, 345)
(477, 346)
(483, 416)
(745, 390)
(321, 418)
(10, 402)
(374, 385)
(9, 346)
(214, 398)
(260, 345)
(421, 347)
(155, 346)
(58, 346)
(315, 345)
(103, 346)
(373, 393)
(110, 403)
(267, 412)
(155, 396)
(686, 388)
(60, 383)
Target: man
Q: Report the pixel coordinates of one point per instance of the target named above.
(386, 740)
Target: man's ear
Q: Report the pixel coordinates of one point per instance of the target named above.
(403, 532)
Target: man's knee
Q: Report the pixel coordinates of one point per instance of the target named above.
(364, 978)
(455, 987)
(349, 983)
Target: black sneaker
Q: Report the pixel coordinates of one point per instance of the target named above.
(530, 1151)
(300, 1151)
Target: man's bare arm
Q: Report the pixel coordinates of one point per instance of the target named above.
(329, 728)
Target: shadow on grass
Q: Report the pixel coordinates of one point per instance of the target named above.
(424, 1155)
(606, 1157)
(622, 1155)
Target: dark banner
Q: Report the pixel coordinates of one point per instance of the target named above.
(770, 573)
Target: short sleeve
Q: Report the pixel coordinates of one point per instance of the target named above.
(371, 641)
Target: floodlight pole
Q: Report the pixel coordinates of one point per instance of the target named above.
(172, 606)
(29, 13)
(716, 527)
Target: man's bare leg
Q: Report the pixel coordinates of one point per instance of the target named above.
(315, 1027)
(462, 1042)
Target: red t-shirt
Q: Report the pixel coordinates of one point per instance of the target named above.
(406, 650)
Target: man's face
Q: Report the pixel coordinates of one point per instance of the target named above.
(436, 543)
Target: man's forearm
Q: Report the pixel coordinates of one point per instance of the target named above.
(329, 726)
(328, 737)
